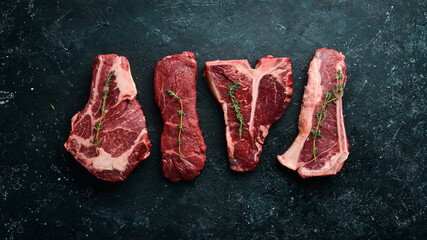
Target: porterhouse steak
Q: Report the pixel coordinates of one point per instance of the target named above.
(123, 139)
(252, 100)
(327, 70)
(182, 145)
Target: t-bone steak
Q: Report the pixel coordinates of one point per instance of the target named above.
(182, 145)
(252, 100)
(327, 70)
(123, 139)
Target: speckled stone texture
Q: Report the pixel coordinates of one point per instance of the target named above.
(47, 49)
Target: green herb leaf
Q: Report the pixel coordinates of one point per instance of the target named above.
(51, 107)
(181, 113)
(111, 75)
(98, 125)
(170, 92)
(105, 93)
(321, 116)
(236, 105)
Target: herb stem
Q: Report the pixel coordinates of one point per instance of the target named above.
(98, 125)
(236, 106)
(321, 116)
(181, 113)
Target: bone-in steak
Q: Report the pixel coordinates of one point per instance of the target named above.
(182, 145)
(327, 70)
(123, 139)
(252, 100)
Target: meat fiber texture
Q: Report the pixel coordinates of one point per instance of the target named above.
(178, 73)
(263, 95)
(123, 139)
(332, 146)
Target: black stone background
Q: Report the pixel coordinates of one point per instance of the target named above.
(47, 50)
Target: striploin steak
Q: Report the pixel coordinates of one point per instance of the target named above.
(321, 146)
(182, 145)
(252, 100)
(122, 140)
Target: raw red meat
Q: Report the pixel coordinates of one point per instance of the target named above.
(177, 73)
(263, 94)
(332, 146)
(123, 139)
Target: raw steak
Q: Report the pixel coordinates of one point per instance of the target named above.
(176, 75)
(332, 145)
(123, 139)
(262, 96)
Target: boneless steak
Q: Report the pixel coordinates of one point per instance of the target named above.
(182, 145)
(123, 139)
(252, 100)
(327, 70)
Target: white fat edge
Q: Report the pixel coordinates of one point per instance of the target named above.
(291, 157)
(73, 122)
(256, 78)
(258, 73)
(244, 67)
(104, 161)
(327, 169)
(80, 139)
(97, 79)
(230, 145)
(236, 167)
(331, 166)
(95, 95)
(124, 81)
(342, 136)
(264, 131)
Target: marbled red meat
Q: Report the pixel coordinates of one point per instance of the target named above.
(332, 146)
(178, 74)
(123, 139)
(263, 95)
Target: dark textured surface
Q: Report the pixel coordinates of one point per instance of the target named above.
(47, 50)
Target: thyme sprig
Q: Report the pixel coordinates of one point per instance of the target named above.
(181, 114)
(236, 105)
(98, 125)
(321, 116)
